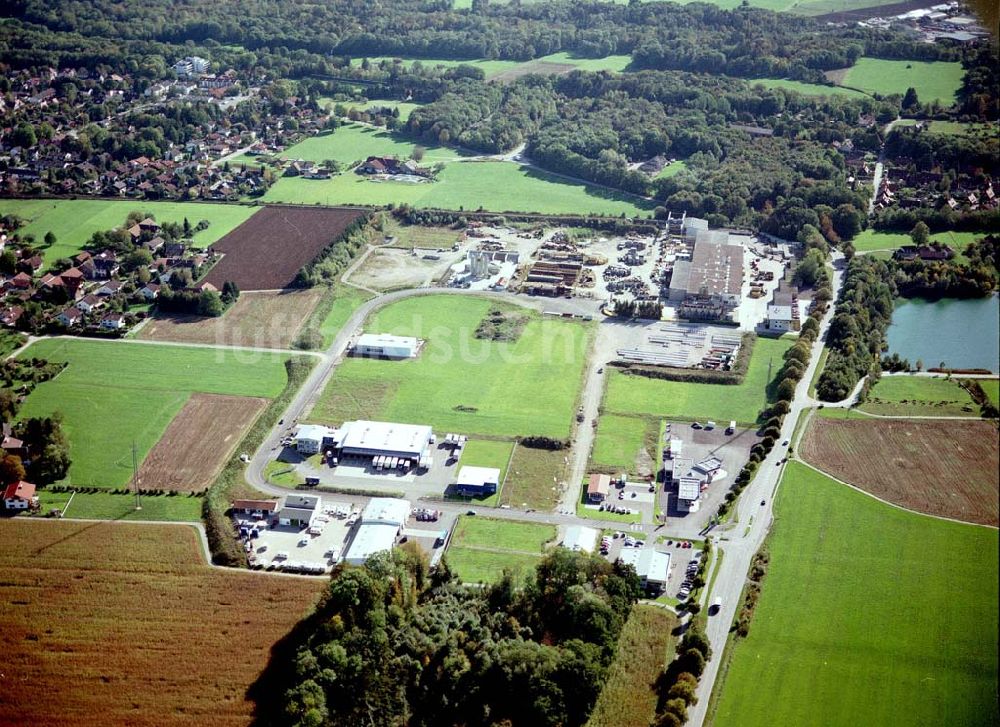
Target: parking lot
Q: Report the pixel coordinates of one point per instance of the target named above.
(296, 549)
(732, 449)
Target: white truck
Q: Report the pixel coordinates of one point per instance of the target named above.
(731, 429)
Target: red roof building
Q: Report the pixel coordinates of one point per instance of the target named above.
(19, 496)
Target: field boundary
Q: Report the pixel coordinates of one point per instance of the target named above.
(893, 504)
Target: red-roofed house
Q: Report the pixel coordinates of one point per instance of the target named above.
(19, 496)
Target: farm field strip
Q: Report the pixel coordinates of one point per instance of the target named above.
(919, 396)
(933, 80)
(850, 622)
(267, 252)
(113, 394)
(73, 221)
(257, 320)
(127, 622)
(112, 506)
(870, 240)
(944, 468)
(194, 447)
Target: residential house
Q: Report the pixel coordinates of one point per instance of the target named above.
(254, 508)
(11, 315)
(89, 303)
(112, 287)
(113, 322)
(70, 317)
(151, 291)
(598, 488)
(21, 281)
(20, 496)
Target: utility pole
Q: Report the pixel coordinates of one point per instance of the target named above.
(135, 477)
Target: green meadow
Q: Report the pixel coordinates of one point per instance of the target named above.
(919, 396)
(643, 396)
(489, 67)
(460, 383)
(110, 506)
(619, 440)
(870, 240)
(113, 394)
(73, 221)
(490, 185)
(991, 387)
(933, 80)
(356, 142)
(868, 615)
(954, 128)
(405, 107)
(482, 548)
(807, 89)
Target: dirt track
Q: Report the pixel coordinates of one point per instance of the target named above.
(945, 468)
(198, 441)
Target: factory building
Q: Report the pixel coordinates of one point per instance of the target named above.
(382, 345)
(361, 438)
(381, 522)
(651, 565)
(709, 285)
(477, 481)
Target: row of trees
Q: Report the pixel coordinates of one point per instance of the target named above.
(390, 643)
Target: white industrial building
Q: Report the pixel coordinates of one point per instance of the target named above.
(688, 494)
(311, 438)
(651, 565)
(477, 480)
(381, 522)
(579, 537)
(383, 345)
(376, 439)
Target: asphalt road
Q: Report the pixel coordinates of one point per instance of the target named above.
(740, 543)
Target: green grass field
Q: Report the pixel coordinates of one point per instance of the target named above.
(645, 646)
(807, 89)
(489, 67)
(953, 128)
(868, 615)
(686, 401)
(992, 389)
(870, 240)
(933, 80)
(460, 383)
(672, 170)
(487, 453)
(919, 396)
(482, 548)
(73, 221)
(346, 302)
(356, 142)
(112, 394)
(493, 68)
(495, 186)
(405, 107)
(619, 440)
(109, 506)
(615, 64)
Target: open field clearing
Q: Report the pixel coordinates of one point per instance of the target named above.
(482, 548)
(870, 240)
(356, 142)
(493, 185)
(867, 613)
(830, 7)
(73, 221)
(267, 252)
(199, 440)
(645, 645)
(458, 382)
(991, 387)
(630, 394)
(265, 320)
(392, 268)
(419, 236)
(919, 396)
(125, 624)
(621, 440)
(933, 80)
(346, 301)
(405, 107)
(499, 70)
(489, 67)
(807, 89)
(114, 394)
(112, 506)
(953, 128)
(946, 468)
(533, 480)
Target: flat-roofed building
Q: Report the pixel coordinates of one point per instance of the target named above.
(581, 538)
(299, 510)
(311, 438)
(375, 439)
(710, 284)
(383, 345)
(688, 494)
(651, 565)
(477, 481)
(381, 522)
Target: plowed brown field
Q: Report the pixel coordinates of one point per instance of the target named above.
(947, 468)
(124, 624)
(198, 442)
(267, 251)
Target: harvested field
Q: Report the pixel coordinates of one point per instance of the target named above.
(199, 440)
(945, 468)
(114, 623)
(266, 251)
(546, 68)
(259, 319)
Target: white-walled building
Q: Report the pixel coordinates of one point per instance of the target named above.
(310, 438)
(651, 565)
(383, 345)
(373, 439)
(381, 522)
(579, 537)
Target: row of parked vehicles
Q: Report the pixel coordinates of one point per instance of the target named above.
(692, 570)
